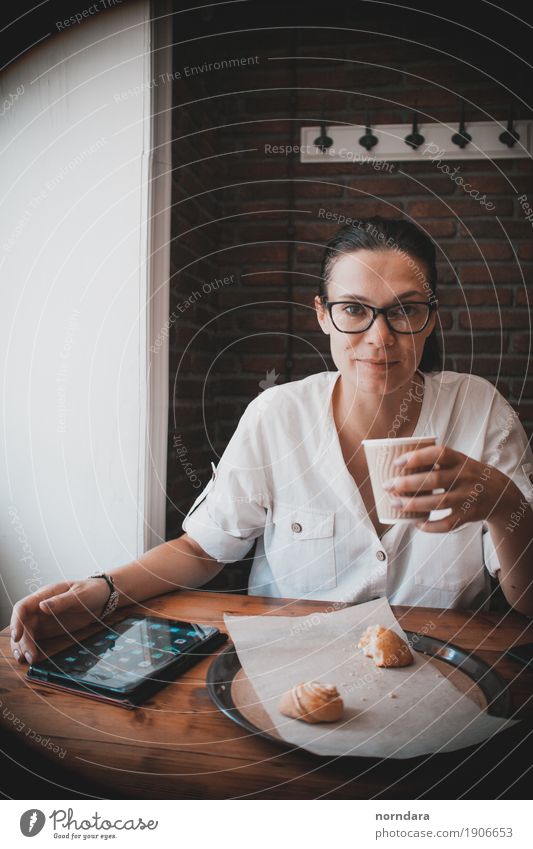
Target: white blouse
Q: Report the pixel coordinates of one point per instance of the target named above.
(283, 479)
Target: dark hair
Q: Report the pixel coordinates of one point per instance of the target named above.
(377, 233)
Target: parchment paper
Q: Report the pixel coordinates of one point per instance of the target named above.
(428, 713)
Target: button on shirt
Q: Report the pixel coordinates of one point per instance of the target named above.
(283, 480)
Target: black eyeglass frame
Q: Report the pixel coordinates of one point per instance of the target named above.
(433, 305)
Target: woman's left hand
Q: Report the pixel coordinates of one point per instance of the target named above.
(472, 490)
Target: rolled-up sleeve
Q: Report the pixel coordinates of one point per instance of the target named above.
(230, 512)
(507, 448)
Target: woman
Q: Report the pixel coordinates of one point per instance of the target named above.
(294, 474)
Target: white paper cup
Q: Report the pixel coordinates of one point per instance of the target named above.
(380, 456)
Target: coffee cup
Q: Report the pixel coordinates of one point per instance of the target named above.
(380, 456)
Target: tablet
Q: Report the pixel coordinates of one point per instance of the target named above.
(129, 661)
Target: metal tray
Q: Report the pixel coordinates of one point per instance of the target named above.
(226, 666)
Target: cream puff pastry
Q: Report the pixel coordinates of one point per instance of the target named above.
(312, 702)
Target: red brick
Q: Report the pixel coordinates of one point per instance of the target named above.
(262, 253)
(522, 343)
(523, 184)
(275, 191)
(392, 184)
(270, 320)
(444, 320)
(229, 410)
(496, 365)
(265, 102)
(235, 386)
(475, 297)
(304, 320)
(346, 75)
(181, 335)
(274, 75)
(525, 411)
(522, 387)
(260, 230)
(275, 167)
(426, 96)
(315, 343)
(522, 166)
(494, 230)
(489, 275)
(478, 250)
(465, 343)
(261, 363)
(485, 184)
(255, 343)
(325, 170)
(493, 320)
(526, 251)
(524, 297)
(317, 189)
(309, 253)
(459, 206)
(273, 130)
(445, 72)
(314, 231)
(426, 166)
(258, 277)
(440, 228)
(336, 100)
(360, 207)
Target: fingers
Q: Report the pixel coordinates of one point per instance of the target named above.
(429, 456)
(26, 650)
(422, 482)
(24, 622)
(19, 615)
(440, 526)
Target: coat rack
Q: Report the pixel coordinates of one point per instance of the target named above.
(416, 141)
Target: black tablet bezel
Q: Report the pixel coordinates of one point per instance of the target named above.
(145, 685)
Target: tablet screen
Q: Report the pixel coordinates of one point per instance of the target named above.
(120, 657)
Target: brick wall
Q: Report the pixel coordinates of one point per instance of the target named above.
(485, 257)
(194, 267)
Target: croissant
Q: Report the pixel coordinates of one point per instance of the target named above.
(312, 702)
(385, 646)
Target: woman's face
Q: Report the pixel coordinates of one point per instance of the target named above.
(380, 278)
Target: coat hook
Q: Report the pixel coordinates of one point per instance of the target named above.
(510, 135)
(323, 141)
(462, 138)
(369, 140)
(414, 139)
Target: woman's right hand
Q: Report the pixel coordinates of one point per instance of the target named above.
(54, 609)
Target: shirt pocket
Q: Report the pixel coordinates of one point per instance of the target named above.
(452, 560)
(300, 548)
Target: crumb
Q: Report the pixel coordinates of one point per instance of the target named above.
(392, 695)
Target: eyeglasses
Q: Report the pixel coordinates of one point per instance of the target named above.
(355, 317)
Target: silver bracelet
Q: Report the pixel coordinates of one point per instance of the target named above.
(114, 595)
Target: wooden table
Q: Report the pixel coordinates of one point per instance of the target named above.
(179, 746)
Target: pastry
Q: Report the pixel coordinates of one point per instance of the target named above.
(385, 647)
(312, 702)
